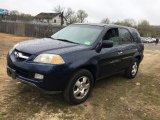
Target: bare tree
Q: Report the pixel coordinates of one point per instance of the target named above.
(16, 15)
(126, 22)
(145, 28)
(143, 23)
(59, 9)
(72, 19)
(68, 13)
(14, 12)
(130, 22)
(81, 16)
(105, 21)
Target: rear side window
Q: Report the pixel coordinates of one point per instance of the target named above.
(125, 36)
(136, 35)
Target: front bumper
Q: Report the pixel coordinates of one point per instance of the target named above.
(27, 81)
(55, 76)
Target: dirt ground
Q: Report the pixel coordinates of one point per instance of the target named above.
(114, 98)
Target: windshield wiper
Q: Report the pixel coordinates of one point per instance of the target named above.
(65, 40)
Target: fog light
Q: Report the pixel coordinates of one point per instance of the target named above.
(38, 76)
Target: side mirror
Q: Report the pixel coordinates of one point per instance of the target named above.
(107, 44)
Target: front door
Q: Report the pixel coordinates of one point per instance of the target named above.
(110, 58)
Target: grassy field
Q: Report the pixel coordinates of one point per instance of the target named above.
(114, 98)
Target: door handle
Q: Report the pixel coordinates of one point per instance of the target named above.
(119, 53)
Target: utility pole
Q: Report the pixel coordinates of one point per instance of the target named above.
(62, 22)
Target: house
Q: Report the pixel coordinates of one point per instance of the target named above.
(51, 18)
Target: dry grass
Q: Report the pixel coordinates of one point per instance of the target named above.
(12, 37)
(114, 98)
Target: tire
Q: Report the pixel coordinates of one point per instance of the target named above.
(79, 87)
(132, 70)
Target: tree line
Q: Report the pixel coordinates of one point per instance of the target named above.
(80, 16)
(142, 26)
(15, 15)
(71, 15)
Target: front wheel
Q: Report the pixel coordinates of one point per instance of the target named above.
(79, 87)
(132, 70)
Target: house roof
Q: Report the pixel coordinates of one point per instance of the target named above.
(47, 15)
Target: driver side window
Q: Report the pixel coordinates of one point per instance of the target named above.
(112, 35)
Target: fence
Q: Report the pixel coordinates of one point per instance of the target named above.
(28, 29)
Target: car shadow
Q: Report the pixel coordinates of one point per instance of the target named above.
(114, 79)
(30, 101)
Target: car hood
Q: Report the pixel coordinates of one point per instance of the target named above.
(48, 45)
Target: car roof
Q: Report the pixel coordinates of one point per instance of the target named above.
(103, 25)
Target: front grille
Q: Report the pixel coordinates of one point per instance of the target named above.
(22, 72)
(21, 56)
(19, 71)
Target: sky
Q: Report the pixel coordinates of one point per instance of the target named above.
(96, 9)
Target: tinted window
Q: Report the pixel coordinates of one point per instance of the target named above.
(125, 36)
(112, 35)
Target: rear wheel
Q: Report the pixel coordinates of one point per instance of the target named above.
(79, 87)
(132, 70)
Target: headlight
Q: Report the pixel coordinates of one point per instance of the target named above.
(15, 45)
(49, 58)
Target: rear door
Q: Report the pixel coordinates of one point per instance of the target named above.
(127, 47)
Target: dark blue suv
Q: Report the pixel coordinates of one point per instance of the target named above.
(74, 58)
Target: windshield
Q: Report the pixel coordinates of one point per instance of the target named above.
(80, 34)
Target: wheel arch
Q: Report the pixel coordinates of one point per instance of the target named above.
(138, 57)
(92, 68)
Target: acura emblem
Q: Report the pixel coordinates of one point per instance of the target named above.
(16, 54)
(20, 55)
